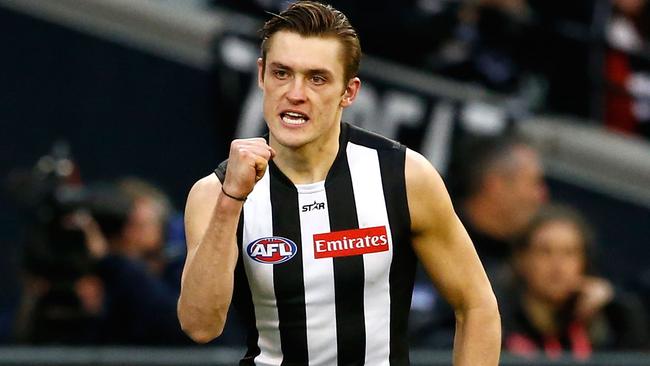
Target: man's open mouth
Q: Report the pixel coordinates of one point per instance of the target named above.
(294, 118)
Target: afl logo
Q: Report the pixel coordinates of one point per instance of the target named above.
(272, 250)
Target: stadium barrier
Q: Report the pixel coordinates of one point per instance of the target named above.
(217, 356)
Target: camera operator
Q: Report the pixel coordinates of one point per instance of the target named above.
(62, 298)
(151, 229)
(87, 280)
(140, 308)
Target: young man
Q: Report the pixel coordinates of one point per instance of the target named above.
(314, 233)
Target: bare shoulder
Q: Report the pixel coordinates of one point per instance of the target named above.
(208, 187)
(418, 168)
(428, 199)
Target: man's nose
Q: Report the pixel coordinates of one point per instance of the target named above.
(296, 93)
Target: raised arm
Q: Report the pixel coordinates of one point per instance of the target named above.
(447, 254)
(211, 219)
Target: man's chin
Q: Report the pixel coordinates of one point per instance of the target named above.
(292, 141)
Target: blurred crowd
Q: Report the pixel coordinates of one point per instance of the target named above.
(583, 58)
(541, 258)
(100, 261)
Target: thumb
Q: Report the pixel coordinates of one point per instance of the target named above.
(260, 168)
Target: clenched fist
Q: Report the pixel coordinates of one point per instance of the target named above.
(247, 163)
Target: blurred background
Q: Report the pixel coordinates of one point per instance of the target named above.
(536, 113)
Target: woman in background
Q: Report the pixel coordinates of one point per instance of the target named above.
(560, 306)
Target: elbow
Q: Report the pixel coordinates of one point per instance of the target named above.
(201, 333)
(202, 336)
(199, 328)
(486, 308)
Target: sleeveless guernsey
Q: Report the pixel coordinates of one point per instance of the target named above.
(325, 270)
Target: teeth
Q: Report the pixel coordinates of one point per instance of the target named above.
(293, 121)
(294, 118)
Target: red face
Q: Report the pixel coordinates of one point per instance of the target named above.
(304, 92)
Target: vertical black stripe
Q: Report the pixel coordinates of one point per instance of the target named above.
(243, 303)
(402, 269)
(348, 271)
(288, 280)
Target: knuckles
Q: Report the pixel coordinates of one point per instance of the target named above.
(250, 151)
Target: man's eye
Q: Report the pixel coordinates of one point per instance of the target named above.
(280, 74)
(317, 79)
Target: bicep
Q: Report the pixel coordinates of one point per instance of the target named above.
(440, 240)
(453, 265)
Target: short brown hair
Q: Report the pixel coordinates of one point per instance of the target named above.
(311, 18)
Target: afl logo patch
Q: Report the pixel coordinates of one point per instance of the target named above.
(272, 250)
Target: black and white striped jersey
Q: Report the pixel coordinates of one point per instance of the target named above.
(325, 270)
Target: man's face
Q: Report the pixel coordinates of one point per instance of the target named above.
(524, 189)
(554, 263)
(144, 231)
(304, 92)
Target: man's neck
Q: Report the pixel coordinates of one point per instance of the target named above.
(309, 163)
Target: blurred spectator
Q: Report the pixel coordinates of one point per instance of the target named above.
(627, 67)
(559, 305)
(140, 308)
(499, 188)
(536, 50)
(564, 55)
(147, 230)
(489, 44)
(627, 29)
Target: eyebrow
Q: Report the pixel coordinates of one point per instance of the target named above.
(316, 71)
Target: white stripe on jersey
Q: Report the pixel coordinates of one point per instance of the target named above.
(260, 280)
(371, 211)
(318, 276)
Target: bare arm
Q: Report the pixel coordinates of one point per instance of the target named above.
(211, 220)
(447, 254)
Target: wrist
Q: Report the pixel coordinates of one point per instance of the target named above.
(232, 196)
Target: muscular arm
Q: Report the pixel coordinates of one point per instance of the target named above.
(207, 283)
(447, 254)
(211, 220)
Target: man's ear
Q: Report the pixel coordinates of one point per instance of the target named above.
(351, 91)
(260, 73)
